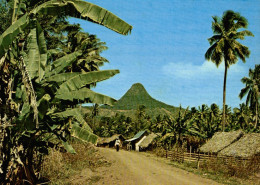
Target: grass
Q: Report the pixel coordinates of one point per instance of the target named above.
(65, 168)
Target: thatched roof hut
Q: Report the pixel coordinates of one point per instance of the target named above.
(247, 146)
(110, 141)
(148, 140)
(221, 140)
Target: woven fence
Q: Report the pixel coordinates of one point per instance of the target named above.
(198, 158)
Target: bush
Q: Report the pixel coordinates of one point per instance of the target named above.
(229, 168)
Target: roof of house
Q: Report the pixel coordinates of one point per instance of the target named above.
(110, 139)
(221, 140)
(247, 146)
(137, 136)
(148, 140)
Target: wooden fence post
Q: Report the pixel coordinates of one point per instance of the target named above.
(198, 162)
(182, 156)
(190, 152)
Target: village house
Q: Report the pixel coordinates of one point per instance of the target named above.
(134, 143)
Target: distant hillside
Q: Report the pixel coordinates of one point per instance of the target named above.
(137, 95)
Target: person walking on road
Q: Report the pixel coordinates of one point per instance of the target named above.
(117, 144)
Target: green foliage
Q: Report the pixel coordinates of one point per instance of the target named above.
(191, 127)
(5, 17)
(252, 89)
(41, 114)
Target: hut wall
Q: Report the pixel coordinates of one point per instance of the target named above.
(138, 143)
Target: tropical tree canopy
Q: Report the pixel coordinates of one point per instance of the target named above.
(252, 90)
(224, 44)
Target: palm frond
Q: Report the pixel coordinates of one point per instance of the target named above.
(243, 92)
(241, 35)
(228, 19)
(216, 26)
(209, 52)
(214, 39)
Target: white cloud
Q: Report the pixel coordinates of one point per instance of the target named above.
(206, 70)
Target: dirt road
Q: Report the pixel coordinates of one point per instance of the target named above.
(132, 168)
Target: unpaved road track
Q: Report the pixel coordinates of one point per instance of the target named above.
(133, 168)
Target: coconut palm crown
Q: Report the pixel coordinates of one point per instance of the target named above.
(252, 90)
(224, 45)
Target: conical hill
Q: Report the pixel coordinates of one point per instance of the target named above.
(136, 96)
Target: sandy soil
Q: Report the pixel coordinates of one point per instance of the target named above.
(133, 168)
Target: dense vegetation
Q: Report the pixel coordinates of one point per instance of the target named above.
(45, 74)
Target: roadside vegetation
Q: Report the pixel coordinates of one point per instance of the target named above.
(66, 168)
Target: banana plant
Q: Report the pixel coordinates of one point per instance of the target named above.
(41, 92)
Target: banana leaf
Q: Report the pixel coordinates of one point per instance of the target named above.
(61, 63)
(62, 77)
(76, 8)
(82, 80)
(86, 95)
(43, 105)
(68, 147)
(10, 34)
(76, 113)
(84, 10)
(83, 134)
(37, 52)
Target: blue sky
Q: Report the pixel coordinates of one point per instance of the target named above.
(165, 51)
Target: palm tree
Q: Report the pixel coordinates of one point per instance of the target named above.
(224, 44)
(252, 90)
(242, 117)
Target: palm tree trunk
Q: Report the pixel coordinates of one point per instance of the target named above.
(256, 113)
(224, 99)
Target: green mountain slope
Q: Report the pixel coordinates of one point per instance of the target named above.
(136, 96)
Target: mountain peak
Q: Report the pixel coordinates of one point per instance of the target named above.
(137, 89)
(136, 96)
(138, 85)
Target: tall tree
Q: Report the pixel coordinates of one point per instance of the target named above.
(251, 89)
(225, 47)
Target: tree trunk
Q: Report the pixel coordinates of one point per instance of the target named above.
(256, 113)
(224, 99)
